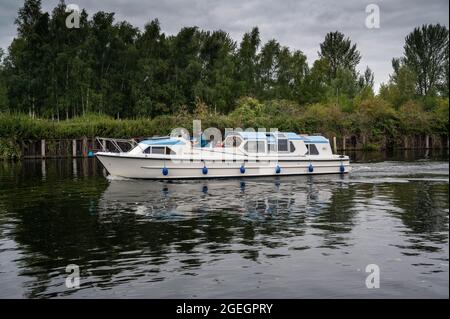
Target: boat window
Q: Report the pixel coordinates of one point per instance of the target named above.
(158, 150)
(255, 147)
(233, 141)
(312, 149)
(170, 151)
(283, 145)
(291, 147)
(273, 148)
(148, 150)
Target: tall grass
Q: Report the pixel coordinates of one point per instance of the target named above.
(373, 119)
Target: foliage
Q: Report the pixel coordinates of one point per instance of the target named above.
(9, 149)
(426, 53)
(373, 119)
(108, 78)
(413, 118)
(110, 67)
(339, 52)
(401, 87)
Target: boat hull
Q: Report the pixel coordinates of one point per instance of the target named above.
(153, 168)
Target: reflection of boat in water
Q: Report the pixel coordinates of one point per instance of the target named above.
(169, 200)
(242, 154)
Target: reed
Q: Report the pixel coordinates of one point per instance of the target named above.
(374, 121)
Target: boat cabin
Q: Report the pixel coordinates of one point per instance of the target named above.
(245, 143)
(279, 143)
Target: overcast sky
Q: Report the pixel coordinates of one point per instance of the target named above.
(298, 24)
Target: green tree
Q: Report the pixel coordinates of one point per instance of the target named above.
(426, 53)
(340, 53)
(217, 86)
(366, 80)
(28, 60)
(413, 118)
(150, 88)
(401, 87)
(292, 72)
(68, 63)
(3, 90)
(247, 62)
(267, 73)
(443, 85)
(184, 67)
(316, 82)
(365, 86)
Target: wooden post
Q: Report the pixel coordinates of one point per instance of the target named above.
(74, 168)
(42, 148)
(85, 146)
(334, 144)
(84, 164)
(74, 148)
(405, 141)
(427, 141)
(43, 169)
(343, 143)
(94, 167)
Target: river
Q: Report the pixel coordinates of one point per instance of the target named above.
(280, 237)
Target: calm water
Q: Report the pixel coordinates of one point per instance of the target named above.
(293, 237)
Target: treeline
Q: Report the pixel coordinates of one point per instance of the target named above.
(112, 68)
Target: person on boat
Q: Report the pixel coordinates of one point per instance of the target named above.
(197, 143)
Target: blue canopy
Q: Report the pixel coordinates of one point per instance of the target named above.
(163, 142)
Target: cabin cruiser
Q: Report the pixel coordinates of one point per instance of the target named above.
(241, 154)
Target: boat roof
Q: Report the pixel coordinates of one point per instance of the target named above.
(163, 141)
(310, 139)
(251, 136)
(270, 136)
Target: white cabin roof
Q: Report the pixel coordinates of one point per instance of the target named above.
(271, 136)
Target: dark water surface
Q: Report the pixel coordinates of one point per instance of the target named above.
(287, 237)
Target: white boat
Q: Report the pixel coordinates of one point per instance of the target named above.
(242, 154)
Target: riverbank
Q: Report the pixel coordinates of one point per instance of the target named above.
(372, 126)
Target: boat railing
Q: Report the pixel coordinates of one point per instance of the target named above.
(116, 145)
